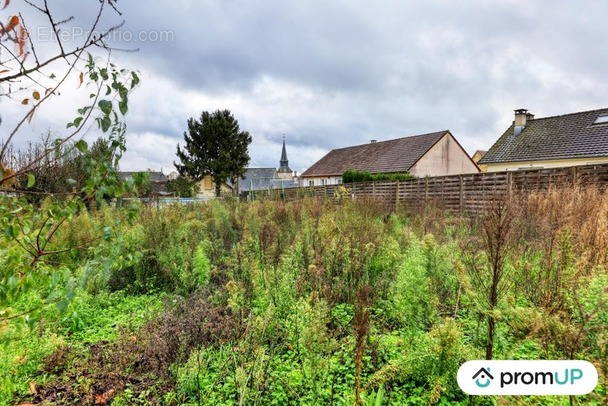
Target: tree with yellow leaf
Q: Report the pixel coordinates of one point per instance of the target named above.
(33, 75)
(6, 172)
(34, 78)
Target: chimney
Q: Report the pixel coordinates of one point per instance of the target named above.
(521, 118)
(373, 141)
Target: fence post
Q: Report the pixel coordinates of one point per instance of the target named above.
(283, 192)
(574, 174)
(426, 189)
(509, 184)
(396, 194)
(461, 193)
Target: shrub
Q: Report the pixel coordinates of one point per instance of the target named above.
(352, 176)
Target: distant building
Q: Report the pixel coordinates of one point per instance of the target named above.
(158, 181)
(206, 188)
(550, 142)
(477, 156)
(434, 154)
(284, 172)
(257, 179)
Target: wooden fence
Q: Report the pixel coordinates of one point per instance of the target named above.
(469, 193)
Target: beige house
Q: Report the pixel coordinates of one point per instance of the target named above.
(550, 142)
(434, 154)
(477, 157)
(206, 188)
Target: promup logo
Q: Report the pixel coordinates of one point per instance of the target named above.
(527, 377)
(483, 378)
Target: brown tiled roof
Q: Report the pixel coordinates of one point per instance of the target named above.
(391, 156)
(560, 137)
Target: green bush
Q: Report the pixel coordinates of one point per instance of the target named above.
(352, 176)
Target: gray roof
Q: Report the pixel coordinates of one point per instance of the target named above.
(158, 180)
(282, 183)
(391, 156)
(154, 176)
(560, 137)
(257, 179)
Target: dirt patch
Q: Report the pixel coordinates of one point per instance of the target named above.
(98, 373)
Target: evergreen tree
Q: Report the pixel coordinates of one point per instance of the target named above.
(183, 187)
(214, 146)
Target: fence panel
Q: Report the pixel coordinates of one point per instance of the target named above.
(468, 193)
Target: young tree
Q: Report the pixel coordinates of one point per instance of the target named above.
(214, 146)
(60, 173)
(32, 75)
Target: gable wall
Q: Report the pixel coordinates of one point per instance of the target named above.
(446, 157)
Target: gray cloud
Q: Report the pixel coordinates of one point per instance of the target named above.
(332, 74)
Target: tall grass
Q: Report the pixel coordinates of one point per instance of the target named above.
(341, 302)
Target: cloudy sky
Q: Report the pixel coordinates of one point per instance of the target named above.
(330, 74)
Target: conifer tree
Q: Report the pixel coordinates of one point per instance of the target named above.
(215, 146)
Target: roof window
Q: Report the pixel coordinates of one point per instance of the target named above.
(601, 119)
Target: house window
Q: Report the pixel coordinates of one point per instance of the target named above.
(311, 183)
(601, 119)
(339, 181)
(323, 182)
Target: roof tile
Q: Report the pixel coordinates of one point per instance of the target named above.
(560, 137)
(390, 156)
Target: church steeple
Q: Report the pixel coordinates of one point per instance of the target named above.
(284, 171)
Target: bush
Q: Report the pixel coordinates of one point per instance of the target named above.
(352, 176)
(144, 277)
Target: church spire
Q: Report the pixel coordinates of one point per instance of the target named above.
(284, 170)
(284, 167)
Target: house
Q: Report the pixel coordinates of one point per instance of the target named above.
(256, 179)
(206, 189)
(158, 181)
(477, 157)
(550, 142)
(434, 154)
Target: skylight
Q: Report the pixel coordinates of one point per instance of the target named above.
(601, 119)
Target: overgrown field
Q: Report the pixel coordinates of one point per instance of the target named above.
(314, 303)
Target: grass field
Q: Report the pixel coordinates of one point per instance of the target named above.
(313, 302)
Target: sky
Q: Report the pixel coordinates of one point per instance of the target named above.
(330, 74)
